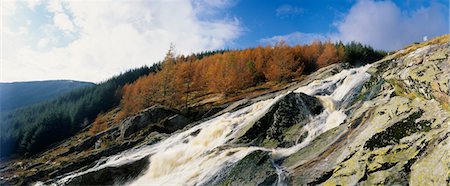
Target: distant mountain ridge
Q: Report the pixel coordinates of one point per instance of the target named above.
(19, 94)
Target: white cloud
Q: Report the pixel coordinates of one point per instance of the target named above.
(112, 37)
(8, 8)
(381, 24)
(384, 25)
(63, 22)
(295, 38)
(33, 3)
(43, 42)
(286, 10)
(55, 6)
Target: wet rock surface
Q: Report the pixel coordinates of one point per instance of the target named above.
(254, 169)
(112, 175)
(282, 125)
(153, 116)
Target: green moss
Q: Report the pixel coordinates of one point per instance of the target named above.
(270, 143)
(383, 65)
(397, 131)
(315, 147)
(254, 169)
(400, 91)
(370, 89)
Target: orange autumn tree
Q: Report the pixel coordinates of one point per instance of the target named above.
(241, 71)
(283, 65)
(328, 56)
(183, 82)
(166, 75)
(261, 55)
(100, 124)
(310, 54)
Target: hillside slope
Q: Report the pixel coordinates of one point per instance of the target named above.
(20, 94)
(384, 123)
(30, 130)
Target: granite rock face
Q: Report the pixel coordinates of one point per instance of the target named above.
(161, 118)
(398, 131)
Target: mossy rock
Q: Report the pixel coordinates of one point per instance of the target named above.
(282, 125)
(399, 130)
(254, 169)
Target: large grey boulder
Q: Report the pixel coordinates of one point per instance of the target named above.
(163, 119)
(282, 125)
(254, 169)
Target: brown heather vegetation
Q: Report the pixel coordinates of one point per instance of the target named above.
(100, 124)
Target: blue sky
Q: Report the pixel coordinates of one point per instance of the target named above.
(263, 20)
(283, 17)
(93, 40)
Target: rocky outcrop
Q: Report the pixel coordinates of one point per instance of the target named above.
(112, 175)
(254, 169)
(282, 125)
(397, 132)
(159, 118)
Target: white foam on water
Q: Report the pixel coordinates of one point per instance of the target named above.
(333, 92)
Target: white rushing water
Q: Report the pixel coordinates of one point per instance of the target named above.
(186, 159)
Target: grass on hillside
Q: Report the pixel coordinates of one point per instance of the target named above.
(410, 48)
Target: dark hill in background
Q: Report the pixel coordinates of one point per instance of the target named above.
(20, 94)
(31, 129)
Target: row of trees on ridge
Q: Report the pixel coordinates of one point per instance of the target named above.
(229, 71)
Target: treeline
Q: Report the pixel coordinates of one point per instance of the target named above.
(32, 129)
(358, 54)
(227, 72)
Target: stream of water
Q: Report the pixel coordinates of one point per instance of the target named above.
(191, 158)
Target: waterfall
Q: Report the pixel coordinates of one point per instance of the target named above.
(195, 161)
(187, 159)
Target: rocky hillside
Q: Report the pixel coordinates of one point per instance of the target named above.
(397, 129)
(385, 123)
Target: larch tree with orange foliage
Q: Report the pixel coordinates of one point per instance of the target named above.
(184, 76)
(166, 76)
(218, 74)
(262, 56)
(282, 64)
(329, 55)
(310, 55)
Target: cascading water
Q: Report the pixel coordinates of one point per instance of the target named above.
(192, 157)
